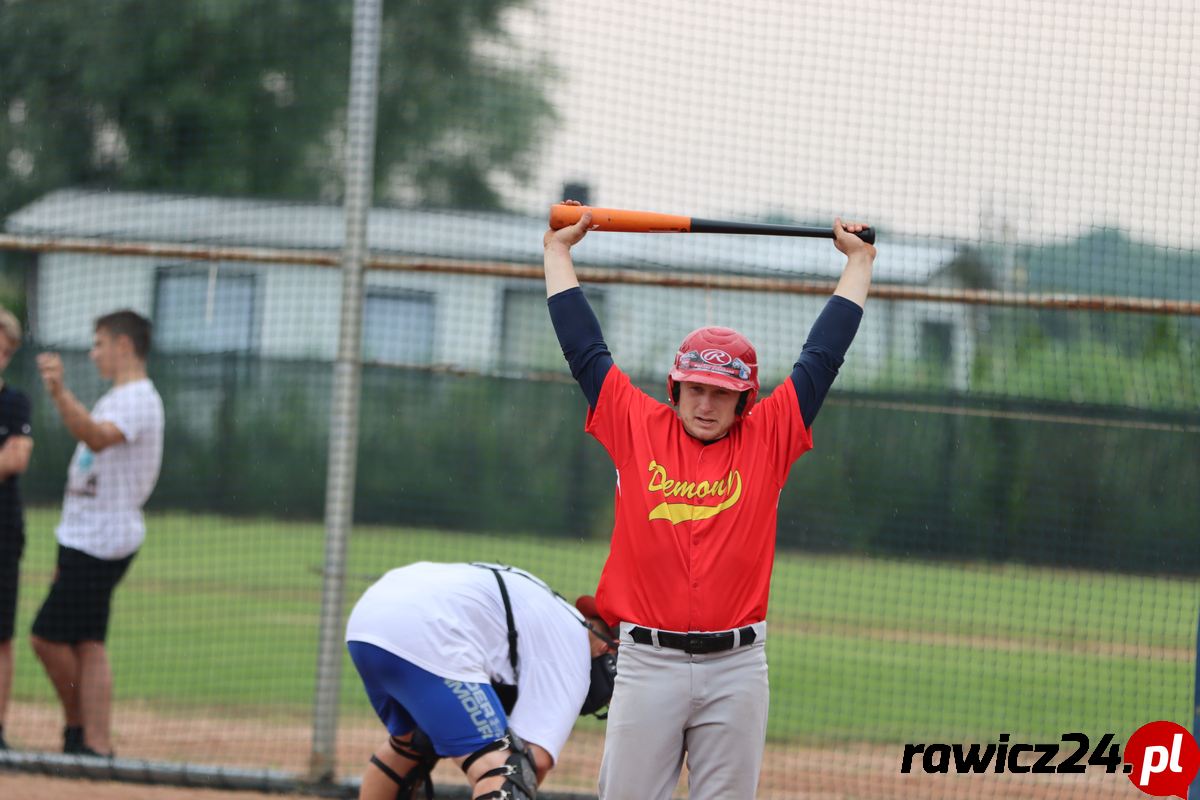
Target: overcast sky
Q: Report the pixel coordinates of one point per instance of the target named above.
(921, 117)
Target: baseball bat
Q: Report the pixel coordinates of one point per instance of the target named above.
(621, 219)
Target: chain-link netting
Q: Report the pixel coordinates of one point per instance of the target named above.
(995, 534)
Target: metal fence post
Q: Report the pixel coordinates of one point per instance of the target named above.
(343, 415)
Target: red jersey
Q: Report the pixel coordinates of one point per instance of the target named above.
(693, 542)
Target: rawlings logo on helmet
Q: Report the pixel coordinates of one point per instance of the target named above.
(719, 357)
(715, 361)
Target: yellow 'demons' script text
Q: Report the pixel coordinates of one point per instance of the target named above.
(729, 487)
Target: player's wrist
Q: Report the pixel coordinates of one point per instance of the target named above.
(557, 246)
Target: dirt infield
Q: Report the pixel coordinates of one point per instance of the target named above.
(39, 787)
(848, 773)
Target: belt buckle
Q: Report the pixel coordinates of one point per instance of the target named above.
(703, 643)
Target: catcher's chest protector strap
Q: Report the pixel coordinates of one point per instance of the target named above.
(512, 626)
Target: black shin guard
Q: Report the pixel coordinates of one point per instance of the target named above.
(519, 771)
(419, 749)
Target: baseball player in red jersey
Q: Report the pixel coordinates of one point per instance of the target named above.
(688, 574)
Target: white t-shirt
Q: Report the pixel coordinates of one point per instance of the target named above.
(102, 507)
(448, 619)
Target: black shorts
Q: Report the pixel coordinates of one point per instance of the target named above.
(10, 577)
(76, 610)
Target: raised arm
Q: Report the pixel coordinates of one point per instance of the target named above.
(860, 257)
(556, 247)
(575, 323)
(834, 330)
(82, 426)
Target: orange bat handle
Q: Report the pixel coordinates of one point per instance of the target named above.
(620, 219)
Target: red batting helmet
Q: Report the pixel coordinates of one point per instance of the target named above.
(719, 357)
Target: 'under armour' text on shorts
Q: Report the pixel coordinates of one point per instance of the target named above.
(458, 716)
(77, 607)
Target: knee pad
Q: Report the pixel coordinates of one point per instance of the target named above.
(419, 749)
(519, 771)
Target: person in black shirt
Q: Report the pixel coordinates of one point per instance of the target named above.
(16, 445)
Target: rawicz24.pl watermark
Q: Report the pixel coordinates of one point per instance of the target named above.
(1160, 758)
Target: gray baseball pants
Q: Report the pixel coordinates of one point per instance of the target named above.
(668, 703)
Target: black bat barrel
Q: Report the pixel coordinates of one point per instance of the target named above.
(766, 229)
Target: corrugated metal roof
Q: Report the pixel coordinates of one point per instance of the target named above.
(470, 235)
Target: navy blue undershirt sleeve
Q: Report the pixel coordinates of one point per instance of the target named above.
(824, 353)
(582, 341)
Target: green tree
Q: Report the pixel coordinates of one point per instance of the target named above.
(248, 97)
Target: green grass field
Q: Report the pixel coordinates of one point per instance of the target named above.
(221, 614)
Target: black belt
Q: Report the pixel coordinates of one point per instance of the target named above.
(695, 643)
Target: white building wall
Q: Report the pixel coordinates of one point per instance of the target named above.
(75, 288)
(467, 312)
(298, 310)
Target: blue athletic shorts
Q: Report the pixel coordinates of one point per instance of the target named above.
(459, 717)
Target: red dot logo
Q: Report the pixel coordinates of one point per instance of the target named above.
(1163, 758)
